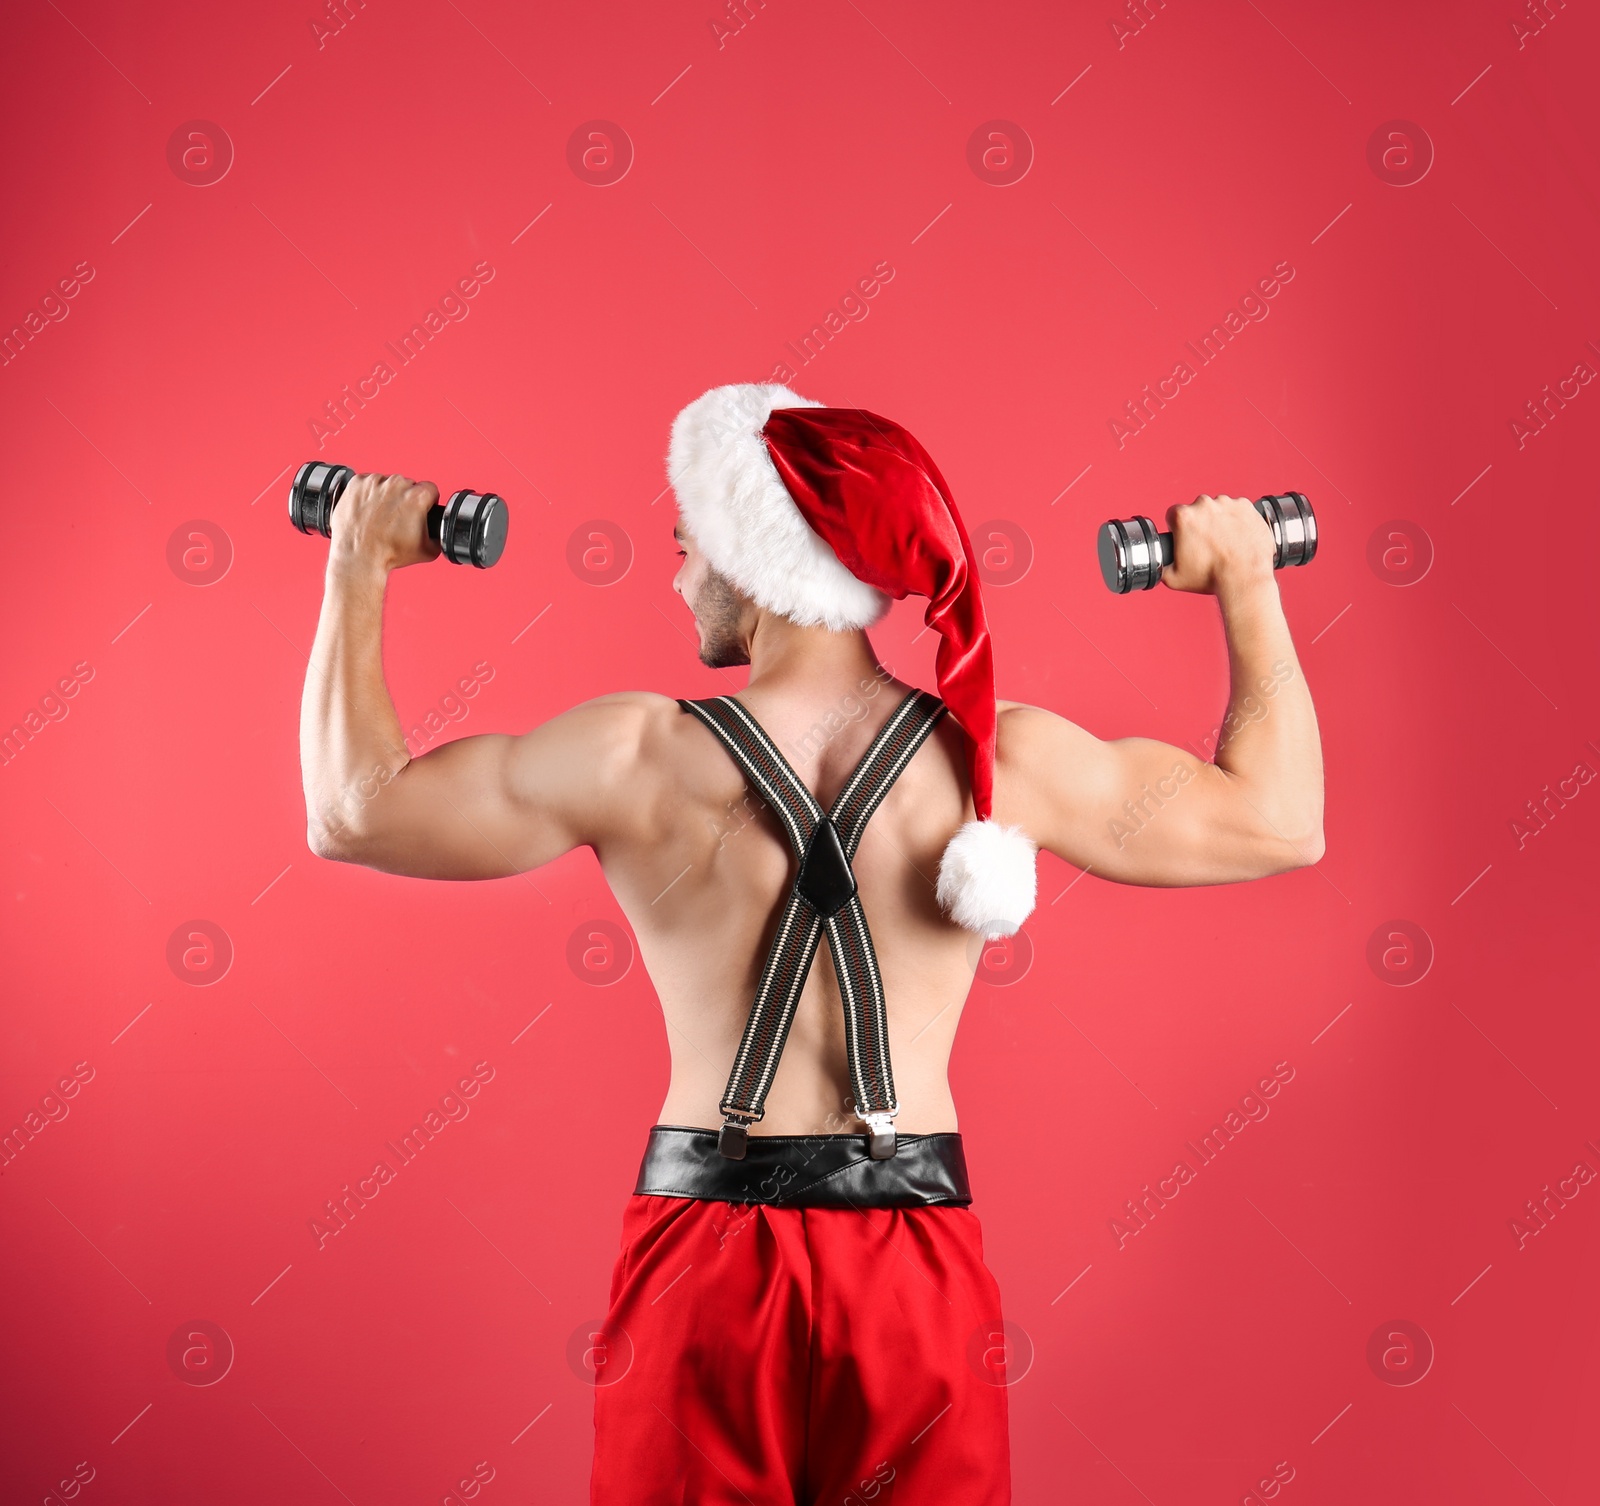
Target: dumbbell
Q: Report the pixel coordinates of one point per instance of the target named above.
(1132, 552)
(470, 528)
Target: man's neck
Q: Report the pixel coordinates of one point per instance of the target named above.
(787, 658)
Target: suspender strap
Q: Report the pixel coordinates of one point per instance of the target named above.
(824, 897)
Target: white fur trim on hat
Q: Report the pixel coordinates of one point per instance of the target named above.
(987, 881)
(744, 519)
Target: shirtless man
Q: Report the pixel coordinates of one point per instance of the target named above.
(822, 1342)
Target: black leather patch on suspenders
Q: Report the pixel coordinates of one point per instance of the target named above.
(826, 879)
(824, 898)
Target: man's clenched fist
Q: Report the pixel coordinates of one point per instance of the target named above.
(1217, 543)
(383, 521)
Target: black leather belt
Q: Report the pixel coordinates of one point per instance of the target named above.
(805, 1171)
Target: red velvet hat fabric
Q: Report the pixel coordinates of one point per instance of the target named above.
(875, 496)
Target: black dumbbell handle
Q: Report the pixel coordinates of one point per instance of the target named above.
(1133, 552)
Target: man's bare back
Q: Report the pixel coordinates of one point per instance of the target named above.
(721, 857)
(700, 866)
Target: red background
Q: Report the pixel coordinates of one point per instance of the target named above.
(1172, 166)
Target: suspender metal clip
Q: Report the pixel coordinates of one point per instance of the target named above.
(733, 1140)
(880, 1136)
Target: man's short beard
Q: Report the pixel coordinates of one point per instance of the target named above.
(718, 606)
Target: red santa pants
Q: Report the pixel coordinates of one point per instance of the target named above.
(768, 1356)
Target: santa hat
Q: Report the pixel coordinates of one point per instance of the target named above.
(823, 515)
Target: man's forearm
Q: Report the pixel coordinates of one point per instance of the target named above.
(351, 743)
(1268, 740)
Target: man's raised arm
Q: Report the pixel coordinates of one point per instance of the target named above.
(477, 808)
(1140, 811)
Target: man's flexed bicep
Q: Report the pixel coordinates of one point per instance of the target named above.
(494, 805)
(1136, 810)
(478, 808)
(1145, 812)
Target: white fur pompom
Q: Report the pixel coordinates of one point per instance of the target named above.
(986, 878)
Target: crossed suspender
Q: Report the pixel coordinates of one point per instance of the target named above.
(824, 897)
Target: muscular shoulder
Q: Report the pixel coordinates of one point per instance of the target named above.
(599, 763)
(623, 719)
(618, 735)
(1040, 758)
(1024, 732)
